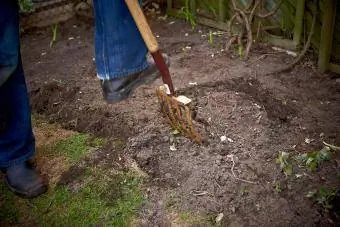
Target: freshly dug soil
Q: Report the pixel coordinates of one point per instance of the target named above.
(260, 116)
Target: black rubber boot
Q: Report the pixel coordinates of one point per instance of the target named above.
(24, 180)
(117, 90)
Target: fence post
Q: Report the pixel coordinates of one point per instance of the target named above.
(298, 27)
(328, 21)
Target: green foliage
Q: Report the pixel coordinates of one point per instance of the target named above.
(283, 161)
(278, 187)
(323, 197)
(26, 6)
(312, 160)
(188, 15)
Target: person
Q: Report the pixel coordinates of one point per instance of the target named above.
(122, 65)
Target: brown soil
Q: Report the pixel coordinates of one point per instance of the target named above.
(260, 115)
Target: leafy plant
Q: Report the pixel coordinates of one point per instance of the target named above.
(278, 187)
(285, 166)
(312, 160)
(26, 6)
(323, 197)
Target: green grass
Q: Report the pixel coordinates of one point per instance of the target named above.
(74, 147)
(102, 196)
(112, 202)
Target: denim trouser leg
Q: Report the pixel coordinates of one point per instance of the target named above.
(119, 48)
(16, 137)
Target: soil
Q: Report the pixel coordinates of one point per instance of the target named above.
(259, 115)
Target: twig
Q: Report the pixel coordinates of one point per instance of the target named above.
(233, 4)
(233, 173)
(199, 193)
(259, 58)
(303, 52)
(263, 16)
(259, 27)
(230, 42)
(251, 2)
(249, 32)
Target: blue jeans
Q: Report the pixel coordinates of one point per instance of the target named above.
(119, 48)
(16, 137)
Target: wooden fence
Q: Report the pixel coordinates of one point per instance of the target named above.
(295, 17)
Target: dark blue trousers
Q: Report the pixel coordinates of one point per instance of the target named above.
(119, 48)
(16, 137)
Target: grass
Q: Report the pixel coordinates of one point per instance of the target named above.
(100, 197)
(113, 203)
(76, 147)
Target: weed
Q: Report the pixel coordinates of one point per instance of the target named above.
(185, 215)
(26, 6)
(244, 191)
(323, 197)
(188, 15)
(278, 187)
(312, 160)
(285, 166)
